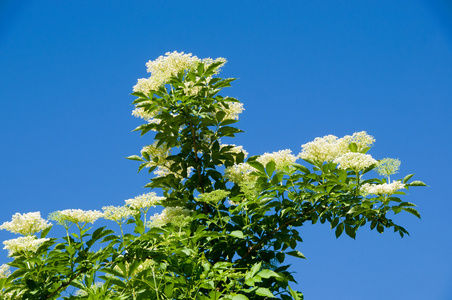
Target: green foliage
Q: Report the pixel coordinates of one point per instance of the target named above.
(233, 242)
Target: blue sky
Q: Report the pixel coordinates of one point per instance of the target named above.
(305, 69)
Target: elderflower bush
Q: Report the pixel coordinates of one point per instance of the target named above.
(228, 220)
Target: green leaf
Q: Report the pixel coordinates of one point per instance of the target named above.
(408, 177)
(239, 297)
(417, 183)
(268, 273)
(135, 157)
(339, 229)
(270, 167)
(296, 253)
(412, 211)
(45, 232)
(264, 292)
(350, 231)
(257, 165)
(353, 147)
(295, 295)
(237, 233)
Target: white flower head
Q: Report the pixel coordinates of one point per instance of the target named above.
(117, 213)
(324, 149)
(361, 139)
(63, 217)
(240, 173)
(387, 166)
(23, 244)
(329, 148)
(235, 149)
(213, 197)
(382, 189)
(177, 216)
(26, 224)
(355, 161)
(144, 201)
(282, 159)
(4, 271)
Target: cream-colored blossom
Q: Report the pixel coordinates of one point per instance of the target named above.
(233, 110)
(140, 112)
(26, 224)
(355, 161)
(239, 173)
(382, 189)
(177, 216)
(117, 213)
(387, 166)
(324, 149)
(23, 244)
(146, 264)
(213, 197)
(164, 67)
(282, 159)
(144, 201)
(157, 154)
(361, 139)
(75, 216)
(4, 271)
(235, 149)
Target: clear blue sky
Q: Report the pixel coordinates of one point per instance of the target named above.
(305, 69)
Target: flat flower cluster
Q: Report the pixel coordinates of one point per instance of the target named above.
(74, 216)
(23, 244)
(26, 224)
(282, 159)
(144, 201)
(4, 271)
(329, 148)
(355, 161)
(177, 216)
(382, 189)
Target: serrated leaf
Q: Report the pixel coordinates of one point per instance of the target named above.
(412, 211)
(353, 147)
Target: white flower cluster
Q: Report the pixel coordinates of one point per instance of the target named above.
(382, 189)
(95, 287)
(282, 159)
(22, 244)
(240, 173)
(233, 110)
(117, 213)
(26, 224)
(177, 216)
(329, 148)
(361, 139)
(144, 201)
(213, 197)
(355, 161)
(140, 112)
(235, 149)
(4, 271)
(164, 67)
(75, 216)
(387, 166)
